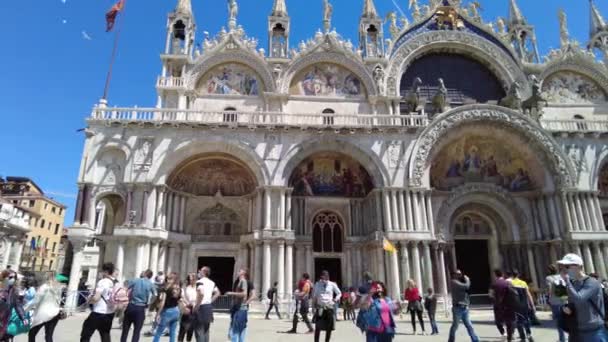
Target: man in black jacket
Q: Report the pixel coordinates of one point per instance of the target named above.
(273, 300)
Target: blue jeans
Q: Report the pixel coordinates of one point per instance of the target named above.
(461, 313)
(556, 310)
(238, 326)
(371, 336)
(433, 323)
(523, 325)
(600, 335)
(168, 318)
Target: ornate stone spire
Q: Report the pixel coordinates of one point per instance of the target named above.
(564, 35)
(184, 7)
(598, 23)
(369, 9)
(515, 16)
(279, 9)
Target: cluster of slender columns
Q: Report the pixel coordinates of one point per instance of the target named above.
(407, 210)
(583, 212)
(12, 248)
(261, 264)
(272, 208)
(546, 217)
(154, 255)
(170, 210)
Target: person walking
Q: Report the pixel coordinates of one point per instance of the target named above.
(141, 291)
(558, 295)
(585, 301)
(524, 305)
(240, 307)
(379, 308)
(302, 303)
(414, 305)
(46, 310)
(461, 284)
(168, 309)
(273, 300)
(504, 316)
(206, 293)
(189, 296)
(430, 305)
(348, 300)
(102, 314)
(324, 294)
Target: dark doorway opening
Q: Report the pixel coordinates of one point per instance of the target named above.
(222, 270)
(473, 260)
(331, 265)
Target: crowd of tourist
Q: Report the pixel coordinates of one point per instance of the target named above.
(183, 309)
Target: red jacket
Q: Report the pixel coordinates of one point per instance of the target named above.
(412, 295)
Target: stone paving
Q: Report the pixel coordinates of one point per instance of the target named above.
(261, 330)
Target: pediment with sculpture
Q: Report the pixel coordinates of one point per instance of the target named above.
(568, 87)
(327, 80)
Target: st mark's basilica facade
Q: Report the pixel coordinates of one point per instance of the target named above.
(448, 135)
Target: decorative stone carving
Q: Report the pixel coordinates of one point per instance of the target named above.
(393, 28)
(216, 221)
(328, 11)
(379, 78)
(144, 154)
(577, 156)
(207, 177)
(513, 98)
(534, 104)
(408, 48)
(395, 154)
(440, 99)
(571, 87)
(562, 171)
(413, 97)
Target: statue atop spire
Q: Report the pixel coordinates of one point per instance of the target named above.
(598, 23)
(233, 11)
(184, 7)
(515, 16)
(279, 9)
(328, 11)
(564, 35)
(369, 9)
(598, 32)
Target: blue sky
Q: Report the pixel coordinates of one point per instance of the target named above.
(54, 75)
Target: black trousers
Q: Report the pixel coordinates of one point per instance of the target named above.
(415, 313)
(135, 315)
(276, 309)
(97, 322)
(186, 328)
(304, 313)
(49, 329)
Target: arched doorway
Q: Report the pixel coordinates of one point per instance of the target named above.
(328, 244)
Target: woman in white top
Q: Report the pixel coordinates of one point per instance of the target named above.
(189, 295)
(46, 307)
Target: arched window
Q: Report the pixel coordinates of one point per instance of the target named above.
(328, 119)
(228, 115)
(327, 233)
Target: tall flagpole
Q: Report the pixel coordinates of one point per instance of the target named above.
(114, 50)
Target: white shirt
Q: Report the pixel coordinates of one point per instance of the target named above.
(206, 287)
(189, 294)
(104, 286)
(324, 293)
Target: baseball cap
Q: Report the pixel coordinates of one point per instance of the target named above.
(571, 259)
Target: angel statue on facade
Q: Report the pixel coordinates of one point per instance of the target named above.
(393, 28)
(501, 26)
(564, 35)
(474, 9)
(233, 11)
(328, 11)
(379, 78)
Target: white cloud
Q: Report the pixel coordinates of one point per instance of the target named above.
(64, 21)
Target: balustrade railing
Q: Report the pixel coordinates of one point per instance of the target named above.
(252, 119)
(170, 82)
(582, 126)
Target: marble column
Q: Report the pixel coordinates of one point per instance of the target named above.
(282, 210)
(605, 249)
(584, 225)
(566, 211)
(531, 263)
(139, 256)
(408, 210)
(402, 217)
(425, 225)
(598, 260)
(416, 263)
(348, 266)
(18, 248)
(380, 264)
(378, 199)
(154, 257)
(405, 263)
(553, 253)
(289, 210)
(120, 259)
(169, 211)
(258, 206)
(586, 211)
(589, 267)
(600, 216)
(267, 209)
(542, 211)
(576, 216)
(397, 224)
(429, 213)
(162, 258)
(428, 266)
(281, 268)
(160, 208)
(396, 289)
(75, 272)
(171, 259)
(184, 261)
(416, 212)
(129, 205)
(387, 210)
(182, 214)
(257, 270)
(593, 213)
(309, 261)
(288, 270)
(267, 270)
(553, 217)
(443, 285)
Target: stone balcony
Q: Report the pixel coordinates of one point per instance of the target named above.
(338, 121)
(170, 82)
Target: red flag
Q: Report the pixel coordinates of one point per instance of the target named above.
(113, 13)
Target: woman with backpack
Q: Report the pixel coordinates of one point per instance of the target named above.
(414, 305)
(46, 308)
(377, 310)
(169, 309)
(12, 315)
(102, 313)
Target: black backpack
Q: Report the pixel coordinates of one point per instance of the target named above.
(516, 299)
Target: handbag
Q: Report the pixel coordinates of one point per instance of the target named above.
(16, 325)
(62, 315)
